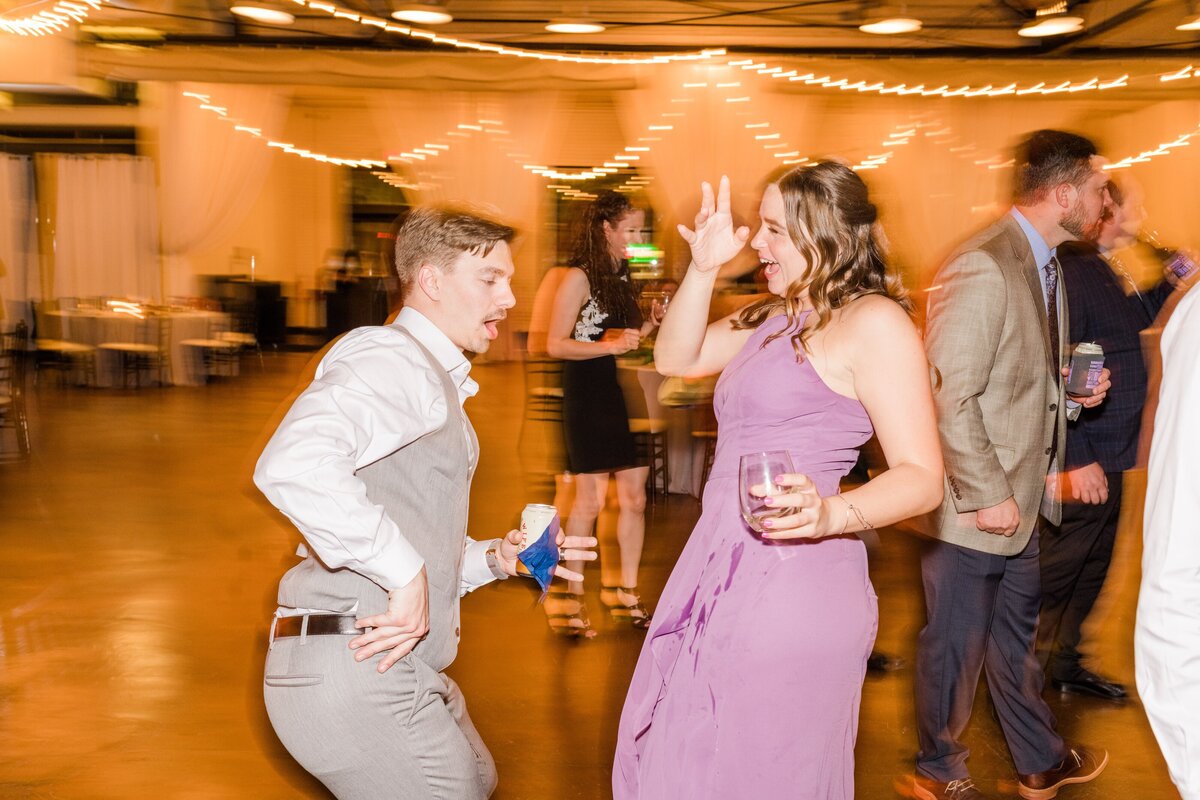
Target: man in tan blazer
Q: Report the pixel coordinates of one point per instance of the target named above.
(995, 337)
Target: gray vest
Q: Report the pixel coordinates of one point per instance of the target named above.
(424, 487)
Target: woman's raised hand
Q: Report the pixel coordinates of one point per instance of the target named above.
(714, 240)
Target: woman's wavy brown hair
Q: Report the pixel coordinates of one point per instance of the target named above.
(590, 252)
(832, 223)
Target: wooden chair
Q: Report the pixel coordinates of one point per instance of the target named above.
(540, 443)
(14, 351)
(650, 437)
(543, 390)
(55, 352)
(218, 354)
(243, 330)
(704, 429)
(138, 357)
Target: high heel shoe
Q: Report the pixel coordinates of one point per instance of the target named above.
(634, 613)
(573, 625)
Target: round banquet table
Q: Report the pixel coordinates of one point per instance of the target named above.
(95, 327)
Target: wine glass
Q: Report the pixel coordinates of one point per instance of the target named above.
(757, 475)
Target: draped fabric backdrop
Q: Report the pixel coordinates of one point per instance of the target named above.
(936, 166)
(18, 249)
(98, 226)
(945, 178)
(209, 174)
(489, 137)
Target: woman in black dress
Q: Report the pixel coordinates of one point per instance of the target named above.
(595, 318)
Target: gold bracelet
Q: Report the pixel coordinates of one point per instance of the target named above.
(846, 518)
(862, 520)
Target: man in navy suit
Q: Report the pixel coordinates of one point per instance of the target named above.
(1106, 308)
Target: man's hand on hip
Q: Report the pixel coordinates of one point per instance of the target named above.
(398, 629)
(1088, 484)
(1002, 519)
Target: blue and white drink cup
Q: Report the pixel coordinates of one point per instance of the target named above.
(539, 542)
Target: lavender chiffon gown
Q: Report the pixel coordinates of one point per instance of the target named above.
(750, 678)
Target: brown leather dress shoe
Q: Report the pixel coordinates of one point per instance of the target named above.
(1081, 765)
(964, 789)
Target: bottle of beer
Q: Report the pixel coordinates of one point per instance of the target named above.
(1172, 258)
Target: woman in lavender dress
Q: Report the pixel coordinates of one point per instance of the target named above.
(749, 682)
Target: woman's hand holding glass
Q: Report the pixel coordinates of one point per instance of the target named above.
(621, 340)
(714, 240)
(803, 512)
(796, 510)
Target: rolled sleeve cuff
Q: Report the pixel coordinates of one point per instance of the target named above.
(475, 570)
(398, 568)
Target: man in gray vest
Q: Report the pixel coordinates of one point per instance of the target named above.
(373, 465)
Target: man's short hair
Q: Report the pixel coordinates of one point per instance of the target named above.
(1046, 159)
(438, 235)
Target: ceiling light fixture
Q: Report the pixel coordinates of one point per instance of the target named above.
(891, 25)
(574, 26)
(262, 12)
(423, 14)
(1053, 20)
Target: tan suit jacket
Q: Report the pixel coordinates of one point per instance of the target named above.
(1000, 398)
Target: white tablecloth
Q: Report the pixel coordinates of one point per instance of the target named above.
(685, 455)
(95, 327)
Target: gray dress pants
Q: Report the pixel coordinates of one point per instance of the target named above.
(403, 735)
(982, 614)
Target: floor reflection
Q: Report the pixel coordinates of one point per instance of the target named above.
(140, 568)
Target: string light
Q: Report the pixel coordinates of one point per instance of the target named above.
(204, 103)
(1183, 140)
(516, 52)
(56, 19)
(1186, 72)
(1096, 84)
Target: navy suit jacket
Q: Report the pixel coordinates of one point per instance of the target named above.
(1102, 312)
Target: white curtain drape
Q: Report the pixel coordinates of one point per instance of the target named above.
(485, 140)
(99, 226)
(210, 175)
(18, 248)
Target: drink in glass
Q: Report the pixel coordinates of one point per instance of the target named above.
(757, 476)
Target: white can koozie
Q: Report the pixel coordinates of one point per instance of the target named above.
(535, 521)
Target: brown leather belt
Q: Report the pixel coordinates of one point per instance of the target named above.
(318, 625)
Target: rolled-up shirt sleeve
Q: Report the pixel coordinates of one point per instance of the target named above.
(372, 394)
(475, 569)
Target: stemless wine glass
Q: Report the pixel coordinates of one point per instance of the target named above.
(663, 302)
(757, 475)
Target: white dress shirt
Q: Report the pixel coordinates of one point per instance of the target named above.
(1167, 635)
(373, 393)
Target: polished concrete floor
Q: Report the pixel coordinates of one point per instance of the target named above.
(137, 580)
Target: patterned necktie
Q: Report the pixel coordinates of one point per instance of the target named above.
(1051, 270)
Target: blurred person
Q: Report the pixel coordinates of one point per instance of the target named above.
(1108, 309)
(594, 319)
(373, 464)
(995, 337)
(750, 680)
(1167, 635)
(540, 443)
